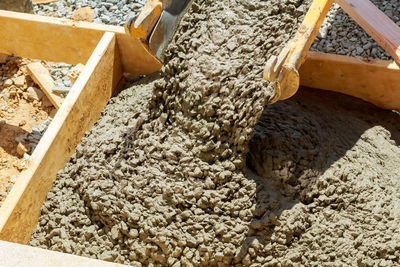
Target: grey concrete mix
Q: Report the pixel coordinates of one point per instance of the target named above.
(162, 177)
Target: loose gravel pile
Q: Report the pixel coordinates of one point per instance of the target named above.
(166, 183)
(340, 34)
(111, 12)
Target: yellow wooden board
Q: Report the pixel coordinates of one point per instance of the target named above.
(375, 81)
(81, 109)
(72, 42)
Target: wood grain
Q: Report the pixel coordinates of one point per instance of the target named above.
(41, 76)
(81, 109)
(72, 42)
(375, 81)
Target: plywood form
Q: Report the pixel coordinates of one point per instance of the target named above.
(375, 81)
(72, 42)
(81, 109)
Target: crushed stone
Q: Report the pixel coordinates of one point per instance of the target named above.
(340, 34)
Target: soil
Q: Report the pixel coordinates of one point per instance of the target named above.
(18, 114)
(161, 179)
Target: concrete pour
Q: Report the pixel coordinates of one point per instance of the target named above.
(161, 178)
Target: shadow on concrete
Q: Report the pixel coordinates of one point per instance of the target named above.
(295, 142)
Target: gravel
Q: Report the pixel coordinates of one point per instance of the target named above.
(340, 34)
(111, 12)
(59, 72)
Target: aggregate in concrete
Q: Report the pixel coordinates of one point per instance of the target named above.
(162, 179)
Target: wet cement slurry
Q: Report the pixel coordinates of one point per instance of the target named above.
(162, 177)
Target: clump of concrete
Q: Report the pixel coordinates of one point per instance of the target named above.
(161, 178)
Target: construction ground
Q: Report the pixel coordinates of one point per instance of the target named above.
(197, 164)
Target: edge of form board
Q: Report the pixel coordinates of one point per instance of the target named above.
(17, 255)
(20, 211)
(72, 42)
(374, 81)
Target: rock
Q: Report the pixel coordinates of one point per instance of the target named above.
(34, 94)
(22, 149)
(83, 14)
(74, 73)
(19, 81)
(8, 83)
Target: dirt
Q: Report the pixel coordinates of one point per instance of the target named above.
(18, 114)
(83, 14)
(161, 179)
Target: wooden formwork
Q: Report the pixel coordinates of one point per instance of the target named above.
(107, 53)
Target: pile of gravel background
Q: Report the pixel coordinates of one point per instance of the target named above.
(111, 12)
(169, 185)
(340, 34)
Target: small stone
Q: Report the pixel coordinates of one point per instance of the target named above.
(8, 83)
(19, 81)
(34, 94)
(83, 14)
(13, 179)
(22, 149)
(9, 187)
(19, 139)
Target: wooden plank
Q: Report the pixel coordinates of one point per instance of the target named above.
(375, 81)
(379, 26)
(72, 42)
(81, 109)
(43, 1)
(17, 255)
(42, 77)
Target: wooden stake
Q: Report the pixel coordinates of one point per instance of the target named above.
(42, 77)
